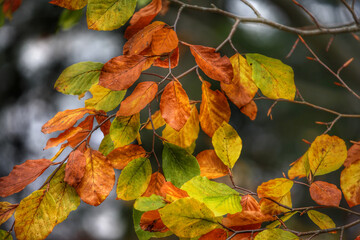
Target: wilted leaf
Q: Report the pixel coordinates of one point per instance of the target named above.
(353, 154)
(120, 157)
(172, 193)
(157, 120)
(323, 221)
(269, 207)
(214, 109)
(98, 180)
(75, 168)
(163, 62)
(275, 188)
(164, 40)
(324, 193)
(142, 95)
(156, 182)
(250, 110)
(22, 175)
(187, 217)
(70, 4)
(242, 88)
(218, 197)
(210, 62)
(274, 78)
(5, 235)
(326, 154)
(227, 144)
(145, 204)
(124, 130)
(300, 168)
(104, 99)
(179, 166)
(6, 211)
(78, 78)
(106, 15)
(35, 217)
(211, 165)
(276, 234)
(134, 179)
(283, 219)
(350, 183)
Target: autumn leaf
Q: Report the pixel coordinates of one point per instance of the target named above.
(10, 6)
(105, 126)
(174, 105)
(53, 142)
(157, 120)
(65, 119)
(86, 127)
(275, 234)
(326, 154)
(322, 220)
(250, 110)
(152, 222)
(164, 40)
(179, 166)
(163, 62)
(134, 179)
(211, 165)
(5, 235)
(187, 217)
(269, 207)
(145, 204)
(353, 154)
(275, 188)
(324, 193)
(242, 88)
(107, 15)
(172, 193)
(124, 130)
(350, 183)
(70, 4)
(98, 180)
(120, 73)
(210, 62)
(75, 168)
(300, 168)
(152, 219)
(120, 157)
(274, 78)
(227, 144)
(156, 182)
(142, 95)
(214, 109)
(22, 175)
(6, 211)
(143, 17)
(104, 99)
(78, 78)
(106, 145)
(283, 219)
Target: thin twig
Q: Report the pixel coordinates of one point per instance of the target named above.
(308, 13)
(257, 13)
(293, 48)
(178, 16)
(351, 10)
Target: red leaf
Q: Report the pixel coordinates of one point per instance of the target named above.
(324, 193)
(10, 6)
(105, 127)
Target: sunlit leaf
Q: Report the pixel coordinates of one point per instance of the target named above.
(187, 217)
(350, 183)
(104, 99)
(250, 110)
(227, 144)
(300, 168)
(134, 179)
(274, 188)
(86, 127)
(283, 219)
(163, 62)
(276, 234)
(149, 203)
(211, 165)
(120, 157)
(22, 175)
(179, 166)
(269, 207)
(324, 193)
(106, 145)
(164, 41)
(6, 211)
(353, 154)
(124, 130)
(322, 220)
(70, 4)
(53, 142)
(75, 168)
(274, 78)
(172, 193)
(156, 182)
(157, 120)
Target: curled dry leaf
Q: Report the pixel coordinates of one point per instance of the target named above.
(53, 142)
(324, 193)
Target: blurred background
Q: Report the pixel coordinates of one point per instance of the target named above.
(35, 48)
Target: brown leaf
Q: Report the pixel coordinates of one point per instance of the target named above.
(250, 110)
(163, 62)
(324, 193)
(22, 175)
(142, 95)
(164, 41)
(75, 168)
(210, 165)
(353, 154)
(172, 193)
(156, 182)
(214, 109)
(121, 72)
(143, 17)
(120, 157)
(175, 105)
(66, 119)
(150, 221)
(98, 180)
(142, 39)
(70, 4)
(6, 211)
(210, 62)
(105, 128)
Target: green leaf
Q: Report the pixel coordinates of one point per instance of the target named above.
(106, 145)
(2, 17)
(134, 179)
(284, 218)
(323, 221)
(227, 144)
(69, 18)
(187, 217)
(219, 197)
(4, 235)
(178, 164)
(274, 78)
(124, 130)
(149, 203)
(275, 234)
(104, 99)
(78, 78)
(107, 15)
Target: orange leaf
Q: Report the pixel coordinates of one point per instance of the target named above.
(216, 234)
(210, 165)
(250, 110)
(210, 62)
(151, 221)
(214, 109)
(22, 175)
(142, 95)
(353, 154)
(6, 211)
(249, 203)
(172, 193)
(143, 17)
(142, 39)
(156, 182)
(10, 6)
(53, 142)
(66, 119)
(121, 72)
(269, 207)
(86, 127)
(120, 157)
(70, 4)
(164, 41)
(175, 106)
(164, 62)
(98, 180)
(324, 193)
(105, 127)
(75, 168)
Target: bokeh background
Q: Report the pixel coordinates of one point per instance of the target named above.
(34, 50)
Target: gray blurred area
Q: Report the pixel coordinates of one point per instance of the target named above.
(34, 51)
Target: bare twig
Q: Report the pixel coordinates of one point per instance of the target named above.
(351, 10)
(293, 48)
(308, 13)
(252, 8)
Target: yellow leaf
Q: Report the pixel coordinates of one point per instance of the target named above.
(6, 211)
(274, 188)
(276, 234)
(157, 120)
(104, 99)
(271, 208)
(299, 168)
(323, 221)
(350, 183)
